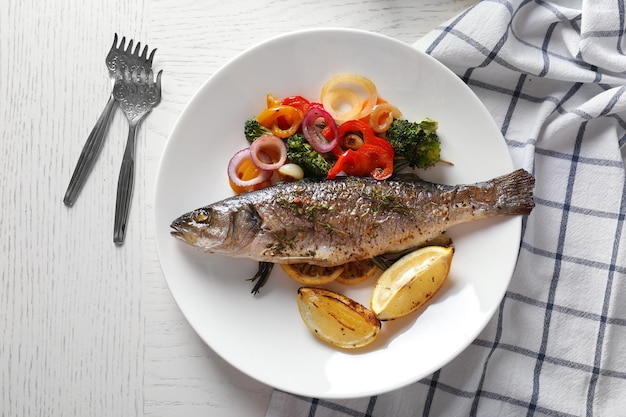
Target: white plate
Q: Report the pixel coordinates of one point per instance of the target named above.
(264, 336)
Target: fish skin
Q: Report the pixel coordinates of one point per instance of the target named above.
(332, 222)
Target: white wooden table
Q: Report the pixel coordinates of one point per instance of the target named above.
(90, 328)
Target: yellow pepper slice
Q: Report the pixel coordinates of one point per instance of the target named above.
(270, 119)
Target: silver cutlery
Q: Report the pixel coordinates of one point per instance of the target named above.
(117, 61)
(137, 94)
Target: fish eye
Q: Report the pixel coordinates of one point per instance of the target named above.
(201, 216)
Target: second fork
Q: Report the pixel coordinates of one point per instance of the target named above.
(137, 94)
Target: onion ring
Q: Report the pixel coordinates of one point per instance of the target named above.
(234, 164)
(344, 104)
(313, 133)
(378, 112)
(352, 82)
(268, 152)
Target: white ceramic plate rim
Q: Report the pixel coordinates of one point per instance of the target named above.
(264, 337)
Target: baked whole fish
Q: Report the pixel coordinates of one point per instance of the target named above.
(332, 222)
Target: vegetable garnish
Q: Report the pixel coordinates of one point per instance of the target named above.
(383, 114)
(315, 120)
(367, 160)
(351, 131)
(348, 96)
(300, 103)
(253, 130)
(365, 133)
(268, 152)
(373, 156)
(361, 128)
(416, 143)
(300, 152)
(243, 174)
(270, 119)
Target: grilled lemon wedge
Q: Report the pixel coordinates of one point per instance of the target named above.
(357, 272)
(351, 273)
(337, 319)
(410, 282)
(312, 274)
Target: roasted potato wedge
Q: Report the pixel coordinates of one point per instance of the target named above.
(410, 282)
(337, 319)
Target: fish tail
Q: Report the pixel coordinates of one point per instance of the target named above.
(515, 192)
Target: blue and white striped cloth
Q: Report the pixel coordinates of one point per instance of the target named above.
(553, 75)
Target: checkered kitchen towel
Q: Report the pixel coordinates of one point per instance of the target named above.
(553, 75)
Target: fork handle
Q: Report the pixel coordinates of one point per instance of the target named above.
(125, 184)
(89, 154)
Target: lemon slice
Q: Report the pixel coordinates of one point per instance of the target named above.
(356, 272)
(337, 319)
(410, 282)
(312, 274)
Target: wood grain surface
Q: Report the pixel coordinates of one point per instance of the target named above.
(90, 329)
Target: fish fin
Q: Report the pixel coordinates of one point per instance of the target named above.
(439, 240)
(515, 192)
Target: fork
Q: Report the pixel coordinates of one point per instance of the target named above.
(117, 60)
(137, 94)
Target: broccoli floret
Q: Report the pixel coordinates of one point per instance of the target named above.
(253, 130)
(301, 153)
(416, 144)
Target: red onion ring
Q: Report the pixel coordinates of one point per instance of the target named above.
(268, 152)
(233, 165)
(313, 133)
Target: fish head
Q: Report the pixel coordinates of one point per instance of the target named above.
(217, 228)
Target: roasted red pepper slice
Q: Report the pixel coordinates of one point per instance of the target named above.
(369, 159)
(350, 163)
(376, 141)
(300, 103)
(356, 126)
(368, 135)
(366, 132)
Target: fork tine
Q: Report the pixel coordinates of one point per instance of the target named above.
(144, 53)
(129, 50)
(121, 47)
(151, 56)
(114, 42)
(137, 49)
